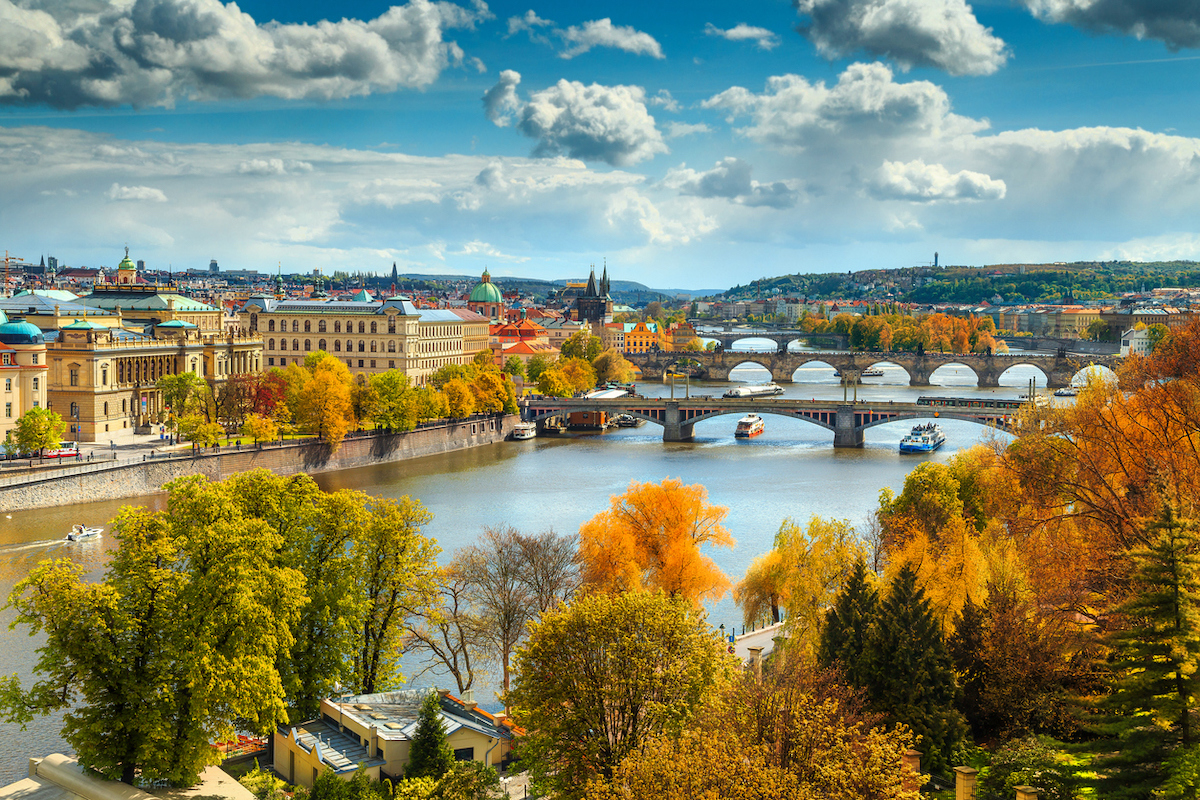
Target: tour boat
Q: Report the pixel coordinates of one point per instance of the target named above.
(629, 421)
(1068, 392)
(524, 430)
(923, 439)
(765, 390)
(80, 533)
(870, 372)
(749, 426)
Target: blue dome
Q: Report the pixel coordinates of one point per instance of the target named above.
(21, 333)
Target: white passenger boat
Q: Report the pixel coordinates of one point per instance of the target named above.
(80, 533)
(749, 426)
(524, 430)
(765, 390)
(923, 439)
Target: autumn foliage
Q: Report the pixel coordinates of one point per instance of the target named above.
(650, 538)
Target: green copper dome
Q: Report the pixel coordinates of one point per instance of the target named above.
(486, 292)
(21, 333)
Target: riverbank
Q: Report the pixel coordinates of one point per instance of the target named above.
(114, 480)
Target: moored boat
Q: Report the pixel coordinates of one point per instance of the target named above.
(749, 426)
(81, 533)
(629, 421)
(923, 438)
(524, 430)
(1069, 391)
(764, 390)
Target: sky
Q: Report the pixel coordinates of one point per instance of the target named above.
(685, 145)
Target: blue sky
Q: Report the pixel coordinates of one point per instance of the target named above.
(693, 145)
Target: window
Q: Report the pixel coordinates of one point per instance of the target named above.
(372, 363)
(321, 344)
(254, 322)
(321, 326)
(296, 344)
(8, 409)
(104, 376)
(270, 344)
(35, 357)
(391, 365)
(337, 345)
(307, 345)
(270, 362)
(283, 344)
(349, 363)
(391, 347)
(124, 406)
(37, 403)
(391, 324)
(74, 409)
(464, 754)
(337, 326)
(362, 327)
(106, 409)
(360, 363)
(7, 359)
(283, 362)
(271, 326)
(8, 384)
(295, 326)
(372, 345)
(349, 346)
(74, 377)
(373, 328)
(308, 326)
(35, 384)
(362, 346)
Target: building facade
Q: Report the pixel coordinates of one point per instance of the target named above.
(22, 371)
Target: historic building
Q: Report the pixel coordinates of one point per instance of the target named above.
(371, 336)
(486, 300)
(103, 380)
(594, 306)
(22, 370)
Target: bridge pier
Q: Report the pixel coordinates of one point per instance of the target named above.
(674, 428)
(845, 434)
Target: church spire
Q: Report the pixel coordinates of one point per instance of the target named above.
(591, 284)
(604, 280)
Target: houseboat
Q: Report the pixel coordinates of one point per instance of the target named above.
(524, 430)
(763, 390)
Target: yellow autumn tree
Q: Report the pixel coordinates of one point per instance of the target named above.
(650, 538)
(323, 406)
(460, 400)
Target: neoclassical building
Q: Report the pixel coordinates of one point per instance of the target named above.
(22, 370)
(486, 300)
(371, 336)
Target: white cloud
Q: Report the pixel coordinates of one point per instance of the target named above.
(914, 33)
(146, 193)
(630, 207)
(1177, 24)
(594, 123)
(530, 22)
(921, 182)
(152, 52)
(664, 99)
(678, 129)
(765, 39)
(478, 248)
(730, 179)
(602, 33)
(273, 166)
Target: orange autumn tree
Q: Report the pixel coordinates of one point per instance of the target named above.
(650, 539)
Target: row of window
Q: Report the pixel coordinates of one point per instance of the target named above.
(337, 345)
(337, 326)
(349, 363)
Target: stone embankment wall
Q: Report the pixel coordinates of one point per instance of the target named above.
(142, 478)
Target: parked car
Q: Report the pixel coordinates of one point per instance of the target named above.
(66, 450)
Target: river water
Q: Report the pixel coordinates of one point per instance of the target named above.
(791, 470)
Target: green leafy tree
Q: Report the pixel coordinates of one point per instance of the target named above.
(180, 392)
(597, 677)
(611, 365)
(177, 643)
(484, 358)
(554, 383)
(429, 755)
(581, 344)
(395, 407)
(514, 366)
(39, 429)
(535, 367)
(1155, 679)
(1031, 761)
(910, 678)
(844, 638)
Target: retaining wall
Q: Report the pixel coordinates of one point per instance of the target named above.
(142, 478)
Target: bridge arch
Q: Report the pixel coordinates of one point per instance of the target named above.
(1042, 378)
(1094, 372)
(882, 363)
(950, 370)
(1001, 422)
(817, 367)
(765, 344)
(764, 411)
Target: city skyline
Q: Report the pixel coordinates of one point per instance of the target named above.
(691, 146)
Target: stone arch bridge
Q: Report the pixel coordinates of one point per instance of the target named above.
(678, 417)
(715, 366)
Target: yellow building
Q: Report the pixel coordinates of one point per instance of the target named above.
(641, 337)
(680, 335)
(375, 732)
(22, 370)
(371, 336)
(103, 381)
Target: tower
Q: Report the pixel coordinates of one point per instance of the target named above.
(935, 259)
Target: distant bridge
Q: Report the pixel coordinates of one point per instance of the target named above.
(1059, 370)
(679, 416)
(728, 337)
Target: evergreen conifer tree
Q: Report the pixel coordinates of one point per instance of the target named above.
(1156, 665)
(429, 755)
(909, 677)
(847, 624)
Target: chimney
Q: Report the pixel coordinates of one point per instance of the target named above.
(468, 698)
(964, 783)
(910, 770)
(1026, 793)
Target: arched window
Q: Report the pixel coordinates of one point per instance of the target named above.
(337, 326)
(392, 324)
(74, 409)
(392, 346)
(295, 344)
(349, 346)
(321, 344)
(337, 345)
(308, 326)
(372, 345)
(307, 345)
(362, 327)
(270, 344)
(373, 328)
(254, 322)
(321, 326)
(283, 344)
(295, 326)
(362, 346)
(271, 326)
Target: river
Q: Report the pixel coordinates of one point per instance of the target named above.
(792, 470)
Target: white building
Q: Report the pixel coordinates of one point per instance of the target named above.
(1136, 342)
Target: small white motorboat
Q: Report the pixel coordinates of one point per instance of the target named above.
(80, 533)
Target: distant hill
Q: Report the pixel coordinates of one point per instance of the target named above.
(621, 290)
